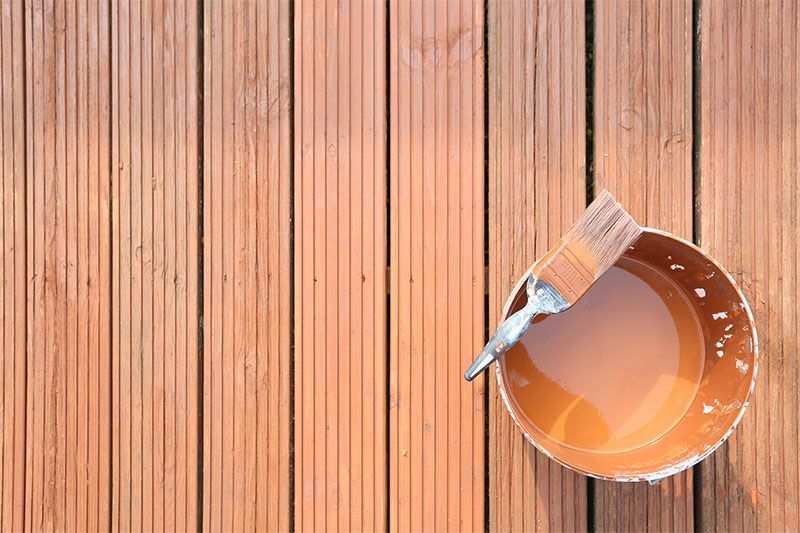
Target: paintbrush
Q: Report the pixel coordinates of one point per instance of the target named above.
(597, 239)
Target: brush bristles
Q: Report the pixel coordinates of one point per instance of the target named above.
(606, 230)
(594, 243)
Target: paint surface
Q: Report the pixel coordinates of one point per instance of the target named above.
(614, 372)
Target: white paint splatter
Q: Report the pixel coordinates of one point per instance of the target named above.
(719, 344)
(677, 267)
(717, 316)
(720, 353)
(707, 408)
(742, 366)
(700, 292)
(728, 327)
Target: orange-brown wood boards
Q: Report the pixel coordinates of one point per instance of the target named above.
(155, 265)
(642, 150)
(340, 266)
(537, 177)
(12, 266)
(68, 264)
(436, 421)
(748, 219)
(246, 327)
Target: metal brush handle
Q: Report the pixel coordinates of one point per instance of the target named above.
(542, 298)
(504, 338)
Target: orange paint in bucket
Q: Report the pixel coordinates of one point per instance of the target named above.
(646, 375)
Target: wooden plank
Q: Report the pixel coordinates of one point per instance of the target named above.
(537, 187)
(246, 269)
(12, 267)
(749, 106)
(68, 264)
(212, 235)
(643, 132)
(120, 143)
(155, 279)
(340, 266)
(99, 112)
(436, 443)
(159, 128)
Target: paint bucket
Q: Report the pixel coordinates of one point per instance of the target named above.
(644, 411)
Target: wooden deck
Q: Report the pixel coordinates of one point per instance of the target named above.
(247, 250)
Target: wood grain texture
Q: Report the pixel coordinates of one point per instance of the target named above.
(643, 132)
(537, 188)
(436, 444)
(155, 258)
(340, 266)
(12, 267)
(247, 265)
(748, 220)
(68, 265)
(100, 240)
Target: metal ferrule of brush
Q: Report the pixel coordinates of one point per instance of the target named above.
(542, 298)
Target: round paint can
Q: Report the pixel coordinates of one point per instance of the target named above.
(646, 375)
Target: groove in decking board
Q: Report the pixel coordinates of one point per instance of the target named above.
(155, 244)
(643, 132)
(340, 266)
(436, 442)
(12, 267)
(749, 197)
(537, 187)
(68, 265)
(247, 265)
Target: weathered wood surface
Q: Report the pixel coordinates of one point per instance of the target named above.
(748, 216)
(537, 187)
(13, 222)
(13, 284)
(154, 178)
(296, 209)
(247, 277)
(67, 257)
